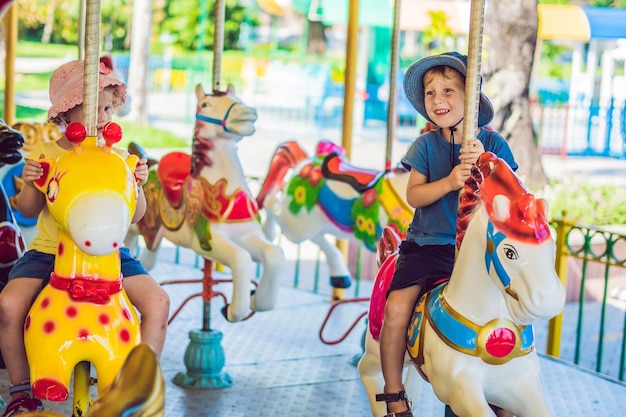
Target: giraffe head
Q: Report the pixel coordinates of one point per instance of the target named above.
(90, 190)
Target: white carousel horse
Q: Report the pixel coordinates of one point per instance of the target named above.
(202, 201)
(83, 314)
(326, 195)
(472, 337)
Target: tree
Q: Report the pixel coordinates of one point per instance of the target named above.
(510, 37)
(141, 32)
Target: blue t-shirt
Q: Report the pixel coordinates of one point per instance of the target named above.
(431, 155)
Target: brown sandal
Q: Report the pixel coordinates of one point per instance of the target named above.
(395, 397)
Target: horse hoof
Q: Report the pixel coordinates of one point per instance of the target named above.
(340, 282)
(224, 311)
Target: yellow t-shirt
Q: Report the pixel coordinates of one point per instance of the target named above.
(47, 230)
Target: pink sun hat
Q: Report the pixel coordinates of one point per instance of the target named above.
(66, 87)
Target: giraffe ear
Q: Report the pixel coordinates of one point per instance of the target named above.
(47, 164)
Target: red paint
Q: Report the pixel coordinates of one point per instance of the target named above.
(104, 319)
(83, 334)
(500, 342)
(71, 312)
(45, 303)
(125, 335)
(48, 327)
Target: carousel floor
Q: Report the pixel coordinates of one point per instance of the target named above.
(280, 367)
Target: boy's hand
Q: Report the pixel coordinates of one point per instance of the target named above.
(32, 170)
(471, 152)
(459, 174)
(141, 172)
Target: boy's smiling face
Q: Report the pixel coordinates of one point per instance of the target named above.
(444, 97)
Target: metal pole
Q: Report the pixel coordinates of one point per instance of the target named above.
(391, 108)
(10, 30)
(92, 62)
(218, 43)
(472, 79)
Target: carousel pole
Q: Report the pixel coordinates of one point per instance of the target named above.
(204, 356)
(82, 380)
(472, 78)
(393, 71)
(472, 86)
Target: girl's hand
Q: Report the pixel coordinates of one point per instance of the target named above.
(141, 172)
(32, 170)
(471, 152)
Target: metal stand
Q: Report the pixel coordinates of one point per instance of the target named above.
(204, 356)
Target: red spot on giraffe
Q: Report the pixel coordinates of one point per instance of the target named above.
(27, 323)
(87, 243)
(115, 244)
(104, 319)
(83, 334)
(125, 335)
(126, 314)
(45, 303)
(48, 327)
(71, 312)
(60, 249)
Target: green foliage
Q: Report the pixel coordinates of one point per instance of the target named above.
(587, 203)
(150, 137)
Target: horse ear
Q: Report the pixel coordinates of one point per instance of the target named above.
(200, 94)
(230, 89)
(501, 208)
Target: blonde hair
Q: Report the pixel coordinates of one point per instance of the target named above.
(61, 118)
(444, 71)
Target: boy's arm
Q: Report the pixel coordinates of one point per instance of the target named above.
(30, 201)
(420, 193)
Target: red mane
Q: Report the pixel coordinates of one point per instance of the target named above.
(492, 176)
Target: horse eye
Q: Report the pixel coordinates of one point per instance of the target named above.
(510, 253)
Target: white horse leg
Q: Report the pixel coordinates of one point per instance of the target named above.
(242, 268)
(467, 398)
(372, 377)
(272, 260)
(371, 374)
(148, 258)
(339, 273)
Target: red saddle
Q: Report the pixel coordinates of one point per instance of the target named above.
(172, 170)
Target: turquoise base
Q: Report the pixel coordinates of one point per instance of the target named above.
(204, 359)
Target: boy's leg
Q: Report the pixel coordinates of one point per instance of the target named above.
(153, 305)
(398, 310)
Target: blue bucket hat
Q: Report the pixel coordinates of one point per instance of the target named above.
(414, 84)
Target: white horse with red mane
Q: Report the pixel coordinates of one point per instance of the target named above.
(202, 201)
(472, 337)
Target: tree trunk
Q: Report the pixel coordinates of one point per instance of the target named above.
(139, 56)
(509, 45)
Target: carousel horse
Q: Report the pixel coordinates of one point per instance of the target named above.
(472, 336)
(83, 314)
(12, 244)
(202, 201)
(138, 389)
(327, 195)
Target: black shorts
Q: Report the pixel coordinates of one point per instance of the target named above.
(422, 265)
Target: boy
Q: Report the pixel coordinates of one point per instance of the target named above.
(439, 166)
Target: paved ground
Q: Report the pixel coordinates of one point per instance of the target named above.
(281, 368)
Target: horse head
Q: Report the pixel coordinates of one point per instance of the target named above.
(519, 250)
(90, 191)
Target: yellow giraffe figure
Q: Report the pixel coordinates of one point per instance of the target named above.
(84, 314)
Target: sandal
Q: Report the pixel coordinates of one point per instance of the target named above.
(395, 397)
(22, 403)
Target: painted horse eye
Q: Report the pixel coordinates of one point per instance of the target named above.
(511, 253)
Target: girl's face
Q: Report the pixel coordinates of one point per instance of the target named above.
(444, 98)
(106, 100)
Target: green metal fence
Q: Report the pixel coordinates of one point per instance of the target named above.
(591, 262)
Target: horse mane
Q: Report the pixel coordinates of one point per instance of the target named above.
(526, 218)
(200, 146)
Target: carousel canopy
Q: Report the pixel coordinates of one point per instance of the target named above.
(581, 23)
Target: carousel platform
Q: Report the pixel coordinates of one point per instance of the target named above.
(280, 367)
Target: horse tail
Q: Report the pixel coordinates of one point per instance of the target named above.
(287, 155)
